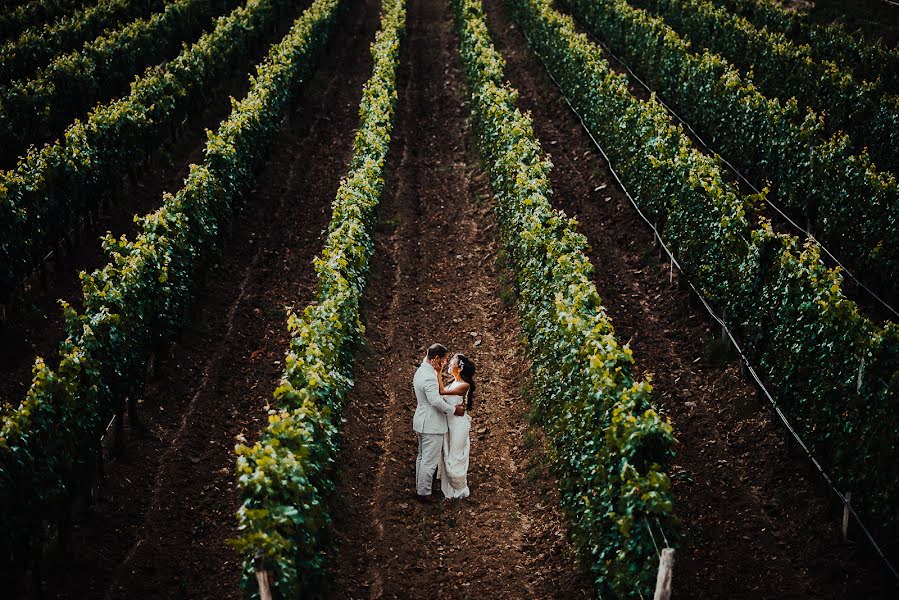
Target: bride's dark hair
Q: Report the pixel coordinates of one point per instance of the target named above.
(466, 372)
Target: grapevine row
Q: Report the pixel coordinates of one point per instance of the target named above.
(831, 41)
(851, 207)
(286, 477)
(782, 69)
(834, 372)
(35, 12)
(35, 110)
(49, 444)
(53, 187)
(37, 45)
(611, 449)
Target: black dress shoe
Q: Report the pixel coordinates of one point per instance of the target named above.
(427, 499)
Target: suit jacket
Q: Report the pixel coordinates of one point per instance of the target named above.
(430, 414)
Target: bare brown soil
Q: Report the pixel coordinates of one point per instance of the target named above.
(36, 327)
(755, 524)
(435, 279)
(167, 508)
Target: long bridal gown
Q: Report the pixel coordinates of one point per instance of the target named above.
(453, 467)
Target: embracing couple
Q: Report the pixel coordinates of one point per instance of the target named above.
(442, 423)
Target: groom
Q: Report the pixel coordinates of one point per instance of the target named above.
(430, 420)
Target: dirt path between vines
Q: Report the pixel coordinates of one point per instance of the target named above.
(36, 327)
(167, 507)
(755, 526)
(434, 279)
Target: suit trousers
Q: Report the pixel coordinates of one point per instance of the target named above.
(430, 445)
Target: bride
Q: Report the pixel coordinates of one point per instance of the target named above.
(453, 467)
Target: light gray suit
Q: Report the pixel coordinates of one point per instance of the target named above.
(429, 423)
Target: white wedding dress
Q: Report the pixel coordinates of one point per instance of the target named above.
(453, 467)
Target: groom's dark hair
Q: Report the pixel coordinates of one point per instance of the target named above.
(437, 350)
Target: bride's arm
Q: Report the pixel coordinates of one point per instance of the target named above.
(440, 389)
(456, 388)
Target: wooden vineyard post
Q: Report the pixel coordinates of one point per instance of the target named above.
(118, 445)
(725, 337)
(263, 578)
(846, 517)
(663, 579)
(671, 271)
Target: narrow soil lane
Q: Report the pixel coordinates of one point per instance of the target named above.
(166, 511)
(755, 525)
(435, 279)
(36, 327)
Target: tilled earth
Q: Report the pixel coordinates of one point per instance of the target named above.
(435, 279)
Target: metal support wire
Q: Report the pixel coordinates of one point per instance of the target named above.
(740, 175)
(718, 319)
(653, 538)
(662, 530)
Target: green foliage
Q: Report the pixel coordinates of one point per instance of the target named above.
(34, 13)
(609, 447)
(783, 69)
(852, 208)
(287, 476)
(134, 304)
(53, 187)
(834, 372)
(827, 41)
(37, 45)
(34, 110)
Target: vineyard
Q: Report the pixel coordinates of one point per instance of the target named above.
(666, 231)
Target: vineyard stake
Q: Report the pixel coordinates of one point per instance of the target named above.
(861, 371)
(846, 517)
(118, 446)
(663, 579)
(263, 579)
(133, 417)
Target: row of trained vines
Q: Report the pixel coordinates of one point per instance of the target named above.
(36, 109)
(832, 41)
(34, 13)
(52, 188)
(50, 443)
(834, 371)
(783, 69)
(36, 46)
(286, 477)
(818, 179)
(610, 448)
